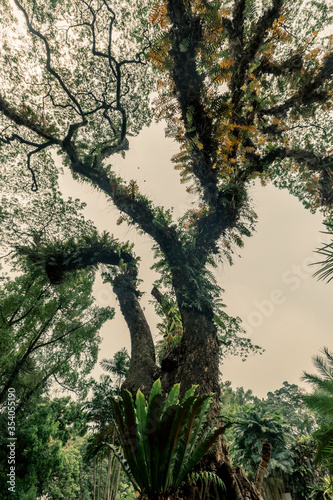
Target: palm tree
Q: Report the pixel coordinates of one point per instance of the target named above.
(321, 401)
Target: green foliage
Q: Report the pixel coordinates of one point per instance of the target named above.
(288, 400)
(306, 479)
(64, 483)
(90, 465)
(118, 365)
(229, 330)
(327, 487)
(252, 428)
(231, 337)
(161, 444)
(321, 401)
(293, 464)
(207, 478)
(326, 270)
(44, 218)
(41, 432)
(98, 408)
(170, 327)
(47, 332)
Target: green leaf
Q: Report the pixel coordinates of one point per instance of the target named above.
(189, 393)
(142, 440)
(161, 447)
(156, 389)
(172, 398)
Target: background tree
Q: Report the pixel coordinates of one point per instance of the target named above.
(283, 419)
(41, 431)
(246, 90)
(321, 400)
(255, 429)
(61, 452)
(47, 334)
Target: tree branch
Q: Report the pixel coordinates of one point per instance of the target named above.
(78, 255)
(242, 57)
(48, 58)
(74, 329)
(24, 120)
(189, 91)
(306, 95)
(13, 321)
(302, 156)
(284, 68)
(30, 349)
(142, 370)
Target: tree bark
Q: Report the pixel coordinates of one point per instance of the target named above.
(265, 458)
(143, 370)
(116, 481)
(94, 476)
(195, 361)
(108, 476)
(182, 363)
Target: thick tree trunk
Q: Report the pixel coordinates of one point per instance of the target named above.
(195, 361)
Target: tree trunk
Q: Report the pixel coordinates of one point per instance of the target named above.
(108, 476)
(183, 363)
(265, 458)
(143, 370)
(117, 479)
(99, 477)
(94, 476)
(195, 361)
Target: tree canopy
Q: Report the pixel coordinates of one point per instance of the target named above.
(246, 90)
(47, 333)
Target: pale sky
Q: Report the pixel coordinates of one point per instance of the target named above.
(284, 309)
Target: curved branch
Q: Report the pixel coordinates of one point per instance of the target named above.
(34, 186)
(73, 256)
(139, 208)
(23, 120)
(143, 370)
(302, 156)
(284, 68)
(189, 90)
(48, 58)
(306, 95)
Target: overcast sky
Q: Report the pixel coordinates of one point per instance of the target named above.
(284, 309)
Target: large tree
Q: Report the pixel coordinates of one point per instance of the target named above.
(245, 88)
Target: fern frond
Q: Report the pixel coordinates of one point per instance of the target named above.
(207, 477)
(159, 14)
